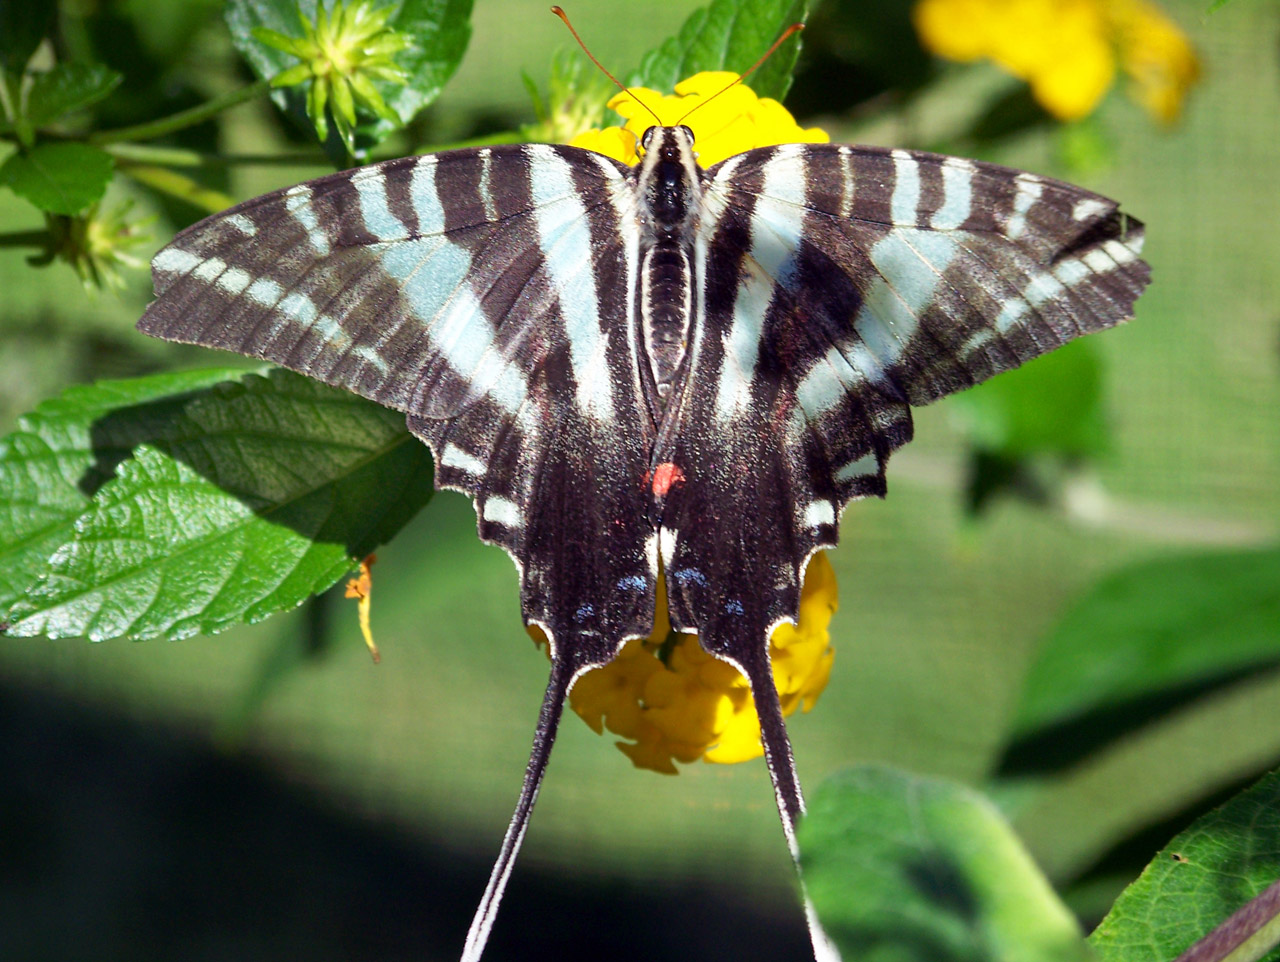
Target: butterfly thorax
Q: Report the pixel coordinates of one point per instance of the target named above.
(669, 188)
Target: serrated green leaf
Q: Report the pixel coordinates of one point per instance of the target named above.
(440, 30)
(1156, 627)
(66, 449)
(902, 868)
(66, 88)
(728, 35)
(23, 24)
(264, 495)
(1200, 878)
(60, 178)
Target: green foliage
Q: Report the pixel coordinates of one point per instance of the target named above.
(66, 449)
(438, 30)
(23, 25)
(728, 35)
(251, 498)
(1226, 858)
(1050, 408)
(66, 88)
(172, 504)
(1161, 627)
(909, 869)
(60, 178)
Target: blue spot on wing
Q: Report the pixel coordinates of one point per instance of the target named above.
(686, 576)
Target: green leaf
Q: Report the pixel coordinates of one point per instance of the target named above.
(263, 496)
(1159, 627)
(902, 868)
(23, 24)
(728, 35)
(60, 178)
(1051, 406)
(66, 88)
(440, 30)
(1204, 875)
(66, 449)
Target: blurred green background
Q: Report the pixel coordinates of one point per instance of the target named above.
(199, 801)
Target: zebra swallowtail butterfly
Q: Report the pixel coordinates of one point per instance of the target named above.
(660, 365)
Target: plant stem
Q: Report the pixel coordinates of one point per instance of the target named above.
(25, 238)
(128, 154)
(183, 118)
(181, 186)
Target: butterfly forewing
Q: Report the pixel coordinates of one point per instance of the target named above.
(484, 293)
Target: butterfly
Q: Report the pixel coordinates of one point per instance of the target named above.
(627, 368)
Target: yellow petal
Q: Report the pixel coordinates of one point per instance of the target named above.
(613, 142)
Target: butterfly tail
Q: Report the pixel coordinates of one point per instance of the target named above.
(563, 672)
(756, 666)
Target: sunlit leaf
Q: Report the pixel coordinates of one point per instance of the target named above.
(66, 449)
(903, 868)
(1051, 406)
(1199, 879)
(1159, 626)
(265, 494)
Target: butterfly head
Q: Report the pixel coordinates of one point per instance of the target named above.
(667, 140)
(669, 177)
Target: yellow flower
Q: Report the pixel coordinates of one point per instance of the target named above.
(676, 703)
(735, 121)
(1068, 51)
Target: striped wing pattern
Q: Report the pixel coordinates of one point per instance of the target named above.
(842, 285)
(485, 294)
(498, 297)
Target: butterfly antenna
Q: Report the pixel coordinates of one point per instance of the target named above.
(563, 671)
(786, 35)
(617, 83)
(782, 767)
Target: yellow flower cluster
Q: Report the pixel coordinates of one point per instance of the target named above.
(734, 121)
(1069, 50)
(676, 703)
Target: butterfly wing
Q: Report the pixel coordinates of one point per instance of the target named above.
(840, 286)
(484, 293)
(487, 294)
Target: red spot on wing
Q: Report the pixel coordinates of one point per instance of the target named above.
(665, 476)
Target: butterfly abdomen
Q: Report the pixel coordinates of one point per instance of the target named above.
(665, 309)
